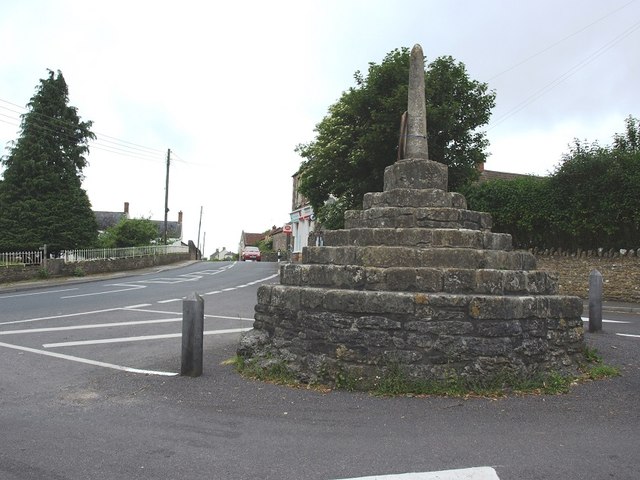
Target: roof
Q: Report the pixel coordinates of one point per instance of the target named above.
(174, 229)
(252, 238)
(490, 175)
(108, 219)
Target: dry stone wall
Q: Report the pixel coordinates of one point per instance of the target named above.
(620, 274)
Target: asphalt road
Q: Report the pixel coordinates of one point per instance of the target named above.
(88, 391)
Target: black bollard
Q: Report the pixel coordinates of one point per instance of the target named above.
(192, 334)
(595, 301)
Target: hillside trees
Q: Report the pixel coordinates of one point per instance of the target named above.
(358, 137)
(41, 195)
(592, 199)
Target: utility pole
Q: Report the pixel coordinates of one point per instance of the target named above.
(199, 225)
(166, 196)
(204, 237)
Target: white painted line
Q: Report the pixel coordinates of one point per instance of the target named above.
(228, 289)
(229, 318)
(628, 335)
(28, 320)
(84, 327)
(586, 319)
(212, 293)
(138, 339)
(87, 361)
(142, 305)
(477, 473)
(38, 293)
(108, 292)
(170, 300)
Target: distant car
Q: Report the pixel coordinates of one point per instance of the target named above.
(251, 253)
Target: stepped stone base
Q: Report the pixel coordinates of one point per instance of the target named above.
(416, 281)
(318, 332)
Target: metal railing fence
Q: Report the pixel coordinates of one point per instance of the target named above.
(87, 254)
(21, 258)
(36, 257)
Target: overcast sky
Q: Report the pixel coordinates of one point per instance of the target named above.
(232, 87)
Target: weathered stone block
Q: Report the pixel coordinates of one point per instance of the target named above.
(377, 322)
(416, 173)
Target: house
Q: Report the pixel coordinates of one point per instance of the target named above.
(106, 220)
(223, 254)
(302, 220)
(490, 175)
(249, 240)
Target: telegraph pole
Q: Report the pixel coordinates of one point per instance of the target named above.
(199, 225)
(166, 196)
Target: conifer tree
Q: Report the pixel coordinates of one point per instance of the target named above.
(41, 196)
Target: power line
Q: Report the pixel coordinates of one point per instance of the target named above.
(571, 71)
(546, 49)
(116, 143)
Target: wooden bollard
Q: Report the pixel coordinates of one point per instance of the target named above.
(595, 301)
(192, 334)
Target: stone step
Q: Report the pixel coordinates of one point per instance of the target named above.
(417, 217)
(387, 256)
(411, 197)
(418, 237)
(409, 279)
(290, 300)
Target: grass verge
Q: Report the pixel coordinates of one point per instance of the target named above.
(394, 381)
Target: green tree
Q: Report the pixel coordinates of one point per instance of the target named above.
(519, 207)
(592, 199)
(130, 232)
(41, 195)
(358, 137)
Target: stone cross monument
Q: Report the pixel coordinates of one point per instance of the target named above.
(416, 143)
(415, 281)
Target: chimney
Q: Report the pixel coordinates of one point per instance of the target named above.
(126, 208)
(180, 216)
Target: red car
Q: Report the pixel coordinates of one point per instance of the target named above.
(251, 253)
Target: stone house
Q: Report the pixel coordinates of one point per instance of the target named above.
(107, 219)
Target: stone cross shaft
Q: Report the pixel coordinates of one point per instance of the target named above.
(416, 146)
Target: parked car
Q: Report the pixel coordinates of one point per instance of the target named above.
(251, 253)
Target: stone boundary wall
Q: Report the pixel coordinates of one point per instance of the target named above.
(620, 273)
(58, 268)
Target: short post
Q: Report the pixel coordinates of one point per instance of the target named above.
(192, 334)
(595, 301)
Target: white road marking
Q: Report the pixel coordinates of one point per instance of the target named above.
(586, 319)
(142, 305)
(242, 286)
(628, 335)
(52, 317)
(138, 339)
(128, 286)
(170, 300)
(477, 473)
(38, 293)
(87, 361)
(84, 327)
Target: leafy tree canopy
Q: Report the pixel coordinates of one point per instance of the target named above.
(592, 199)
(41, 195)
(359, 136)
(130, 232)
